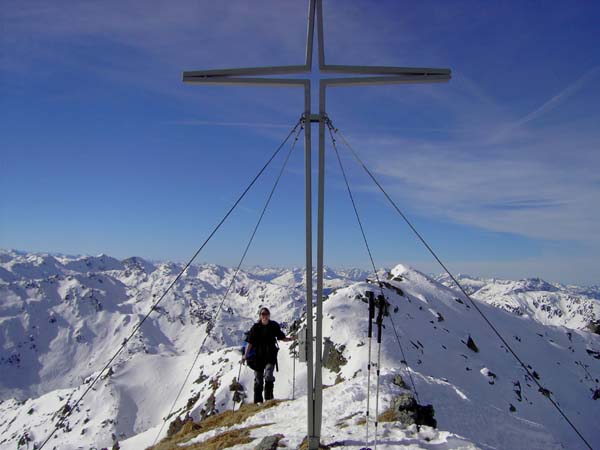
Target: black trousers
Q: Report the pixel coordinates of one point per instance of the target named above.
(264, 378)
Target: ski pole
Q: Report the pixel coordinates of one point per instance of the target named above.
(294, 376)
(371, 298)
(382, 306)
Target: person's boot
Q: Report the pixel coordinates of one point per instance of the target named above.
(258, 397)
(268, 390)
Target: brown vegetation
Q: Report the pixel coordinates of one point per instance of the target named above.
(225, 419)
(225, 440)
(304, 445)
(389, 415)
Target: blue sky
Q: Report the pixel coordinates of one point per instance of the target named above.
(104, 149)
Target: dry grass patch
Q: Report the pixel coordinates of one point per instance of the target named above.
(343, 422)
(304, 445)
(229, 418)
(224, 440)
(389, 415)
(225, 419)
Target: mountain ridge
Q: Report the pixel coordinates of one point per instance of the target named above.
(58, 330)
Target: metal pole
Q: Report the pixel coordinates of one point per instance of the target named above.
(310, 35)
(309, 274)
(320, 241)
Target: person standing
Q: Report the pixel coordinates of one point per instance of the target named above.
(262, 338)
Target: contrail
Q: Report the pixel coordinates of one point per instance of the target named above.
(550, 104)
(555, 101)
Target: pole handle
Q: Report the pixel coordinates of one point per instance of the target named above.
(381, 305)
(371, 298)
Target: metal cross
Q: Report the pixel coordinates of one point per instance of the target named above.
(354, 75)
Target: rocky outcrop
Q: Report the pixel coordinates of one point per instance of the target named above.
(269, 442)
(406, 410)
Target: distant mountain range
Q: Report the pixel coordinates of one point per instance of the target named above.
(548, 303)
(62, 317)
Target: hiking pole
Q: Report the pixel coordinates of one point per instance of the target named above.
(381, 304)
(294, 374)
(371, 298)
(238, 384)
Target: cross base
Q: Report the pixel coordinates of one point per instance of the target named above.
(314, 443)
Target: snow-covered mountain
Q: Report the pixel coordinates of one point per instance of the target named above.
(62, 318)
(548, 303)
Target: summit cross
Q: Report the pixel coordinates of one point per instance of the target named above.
(353, 75)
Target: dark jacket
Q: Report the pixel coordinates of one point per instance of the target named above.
(264, 341)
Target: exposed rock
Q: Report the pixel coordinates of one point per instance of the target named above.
(201, 378)
(192, 401)
(269, 442)
(491, 376)
(518, 390)
(471, 344)
(594, 326)
(396, 289)
(593, 353)
(333, 357)
(405, 409)
(24, 440)
(295, 326)
(176, 425)
(545, 392)
(214, 383)
(209, 407)
(398, 381)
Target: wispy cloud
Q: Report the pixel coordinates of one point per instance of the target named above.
(151, 42)
(541, 183)
(521, 192)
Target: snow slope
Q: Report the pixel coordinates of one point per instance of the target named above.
(61, 318)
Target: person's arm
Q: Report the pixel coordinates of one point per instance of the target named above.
(248, 347)
(282, 337)
(249, 342)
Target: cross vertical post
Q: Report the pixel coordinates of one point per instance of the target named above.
(309, 226)
(353, 76)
